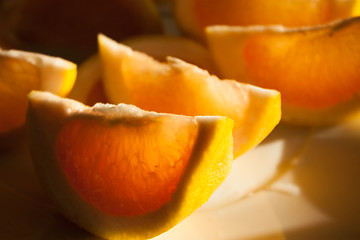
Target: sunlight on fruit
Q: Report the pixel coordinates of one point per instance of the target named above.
(182, 88)
(89, 89)
(184, 119)
(182, 159)
(21, 72)
(316, 88)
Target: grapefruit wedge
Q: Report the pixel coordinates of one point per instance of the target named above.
(21, 72)
(88, 87)
(316, 69)
(124, 173)
(181, 88)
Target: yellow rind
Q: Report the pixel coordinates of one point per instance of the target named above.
(57, 75)
(227, 44)
(268, 115)
(255, 111)
(209, 164)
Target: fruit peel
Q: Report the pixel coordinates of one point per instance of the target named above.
(210, 163)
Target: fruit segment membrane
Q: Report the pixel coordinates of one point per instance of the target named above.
(128, 175)
(312, 67)
(306, 67)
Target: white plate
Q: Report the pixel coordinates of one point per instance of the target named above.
(318, 198)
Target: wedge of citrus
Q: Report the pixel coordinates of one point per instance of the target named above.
(194, 15)
(21, 72)
(182, 88)
(88, 87)
(317, 69)
(124, 173)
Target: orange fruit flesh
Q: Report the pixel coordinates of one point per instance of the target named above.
(207, 97)
(120, 177)
(181, 88)
(89, 85)
(327, 75)
(17, 78)
(21, 72)
(130, 135)
(172, 88)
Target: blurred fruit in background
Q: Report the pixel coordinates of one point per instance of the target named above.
(69, 28)
(194, 15)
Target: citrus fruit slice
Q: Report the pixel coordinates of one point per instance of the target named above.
(182, 88)
(194, 15)
(88, 87)
(303, 64)
(121, 172)
(68, 28)
(21, 72)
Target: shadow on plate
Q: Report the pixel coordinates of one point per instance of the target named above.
(329, 177)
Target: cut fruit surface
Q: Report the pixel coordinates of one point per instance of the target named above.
(88, 88)
(21, 72)
(121, 172)
(303, 64)
(193, 16)
(125, 181)
(181, 88)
